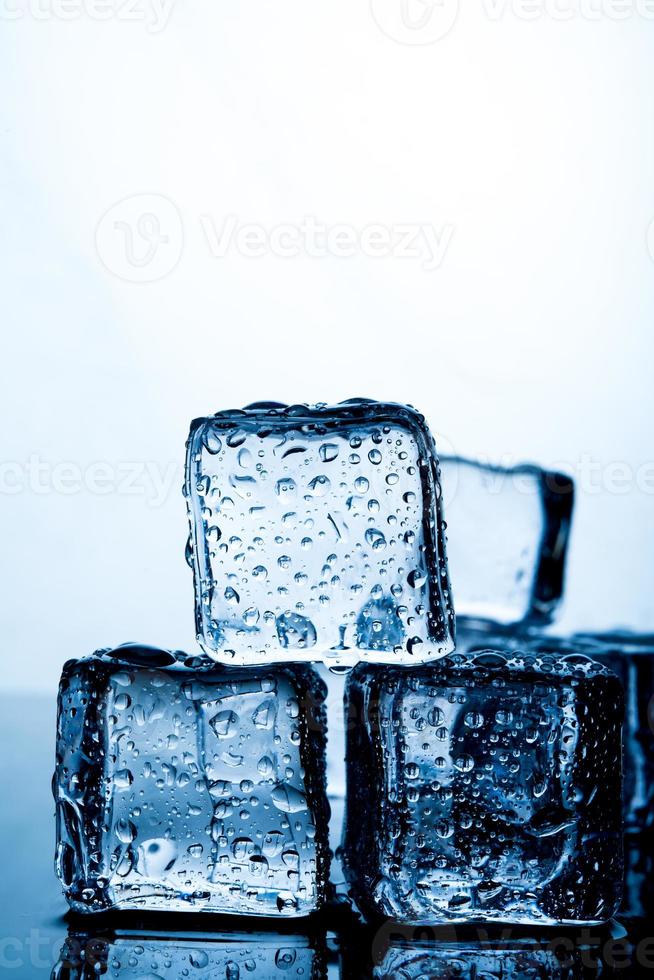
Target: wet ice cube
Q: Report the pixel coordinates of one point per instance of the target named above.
(486, 786)
(233, 956)
(316, 533)
(507, 534)
(186, 788)
(628, 655)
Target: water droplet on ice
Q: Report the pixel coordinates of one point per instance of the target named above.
(264, 716)
(286, 487)
(224, 724)
(328, 452)
(288, 799)
(375, 539)
(320, 485)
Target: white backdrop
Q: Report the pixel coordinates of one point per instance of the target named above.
(206, 204)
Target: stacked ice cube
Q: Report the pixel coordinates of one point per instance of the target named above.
(483, 782)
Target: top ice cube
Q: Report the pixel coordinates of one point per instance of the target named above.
(316, 533)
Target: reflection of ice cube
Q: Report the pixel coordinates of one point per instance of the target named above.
(233, 956)
(485, 787)
(190, 789)
(317, 532)
(504, 960)
(507, 535)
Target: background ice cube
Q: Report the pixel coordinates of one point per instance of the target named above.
(507, 535)
(316, 533)
(191, 789)
(485, 787)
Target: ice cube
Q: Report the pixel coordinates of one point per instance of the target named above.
(316, 533)
(485, 787)
(507, 536)
(228, 956)
(190, 788)
(631, 657)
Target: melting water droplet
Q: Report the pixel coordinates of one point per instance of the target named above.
(286, 487)
(320, 485)
(375, 539)
(212, 441)
(328, 452)
(295, 631)
(264, 716)
(288, 799)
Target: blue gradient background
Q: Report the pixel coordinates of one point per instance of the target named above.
(532, 139)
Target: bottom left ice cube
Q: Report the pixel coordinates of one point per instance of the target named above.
(190, 788)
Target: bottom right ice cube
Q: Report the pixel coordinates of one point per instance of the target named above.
(485, 787)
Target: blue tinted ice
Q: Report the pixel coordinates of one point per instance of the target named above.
(190, 789)
(631, 657)
(233, 956)
(316, 533)
(485, 787)
(507, 534)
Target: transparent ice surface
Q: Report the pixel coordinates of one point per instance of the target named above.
(507, 536)
(182, 788)
(316, 533)
(628, 655)
(233, 956)
(485, 787)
